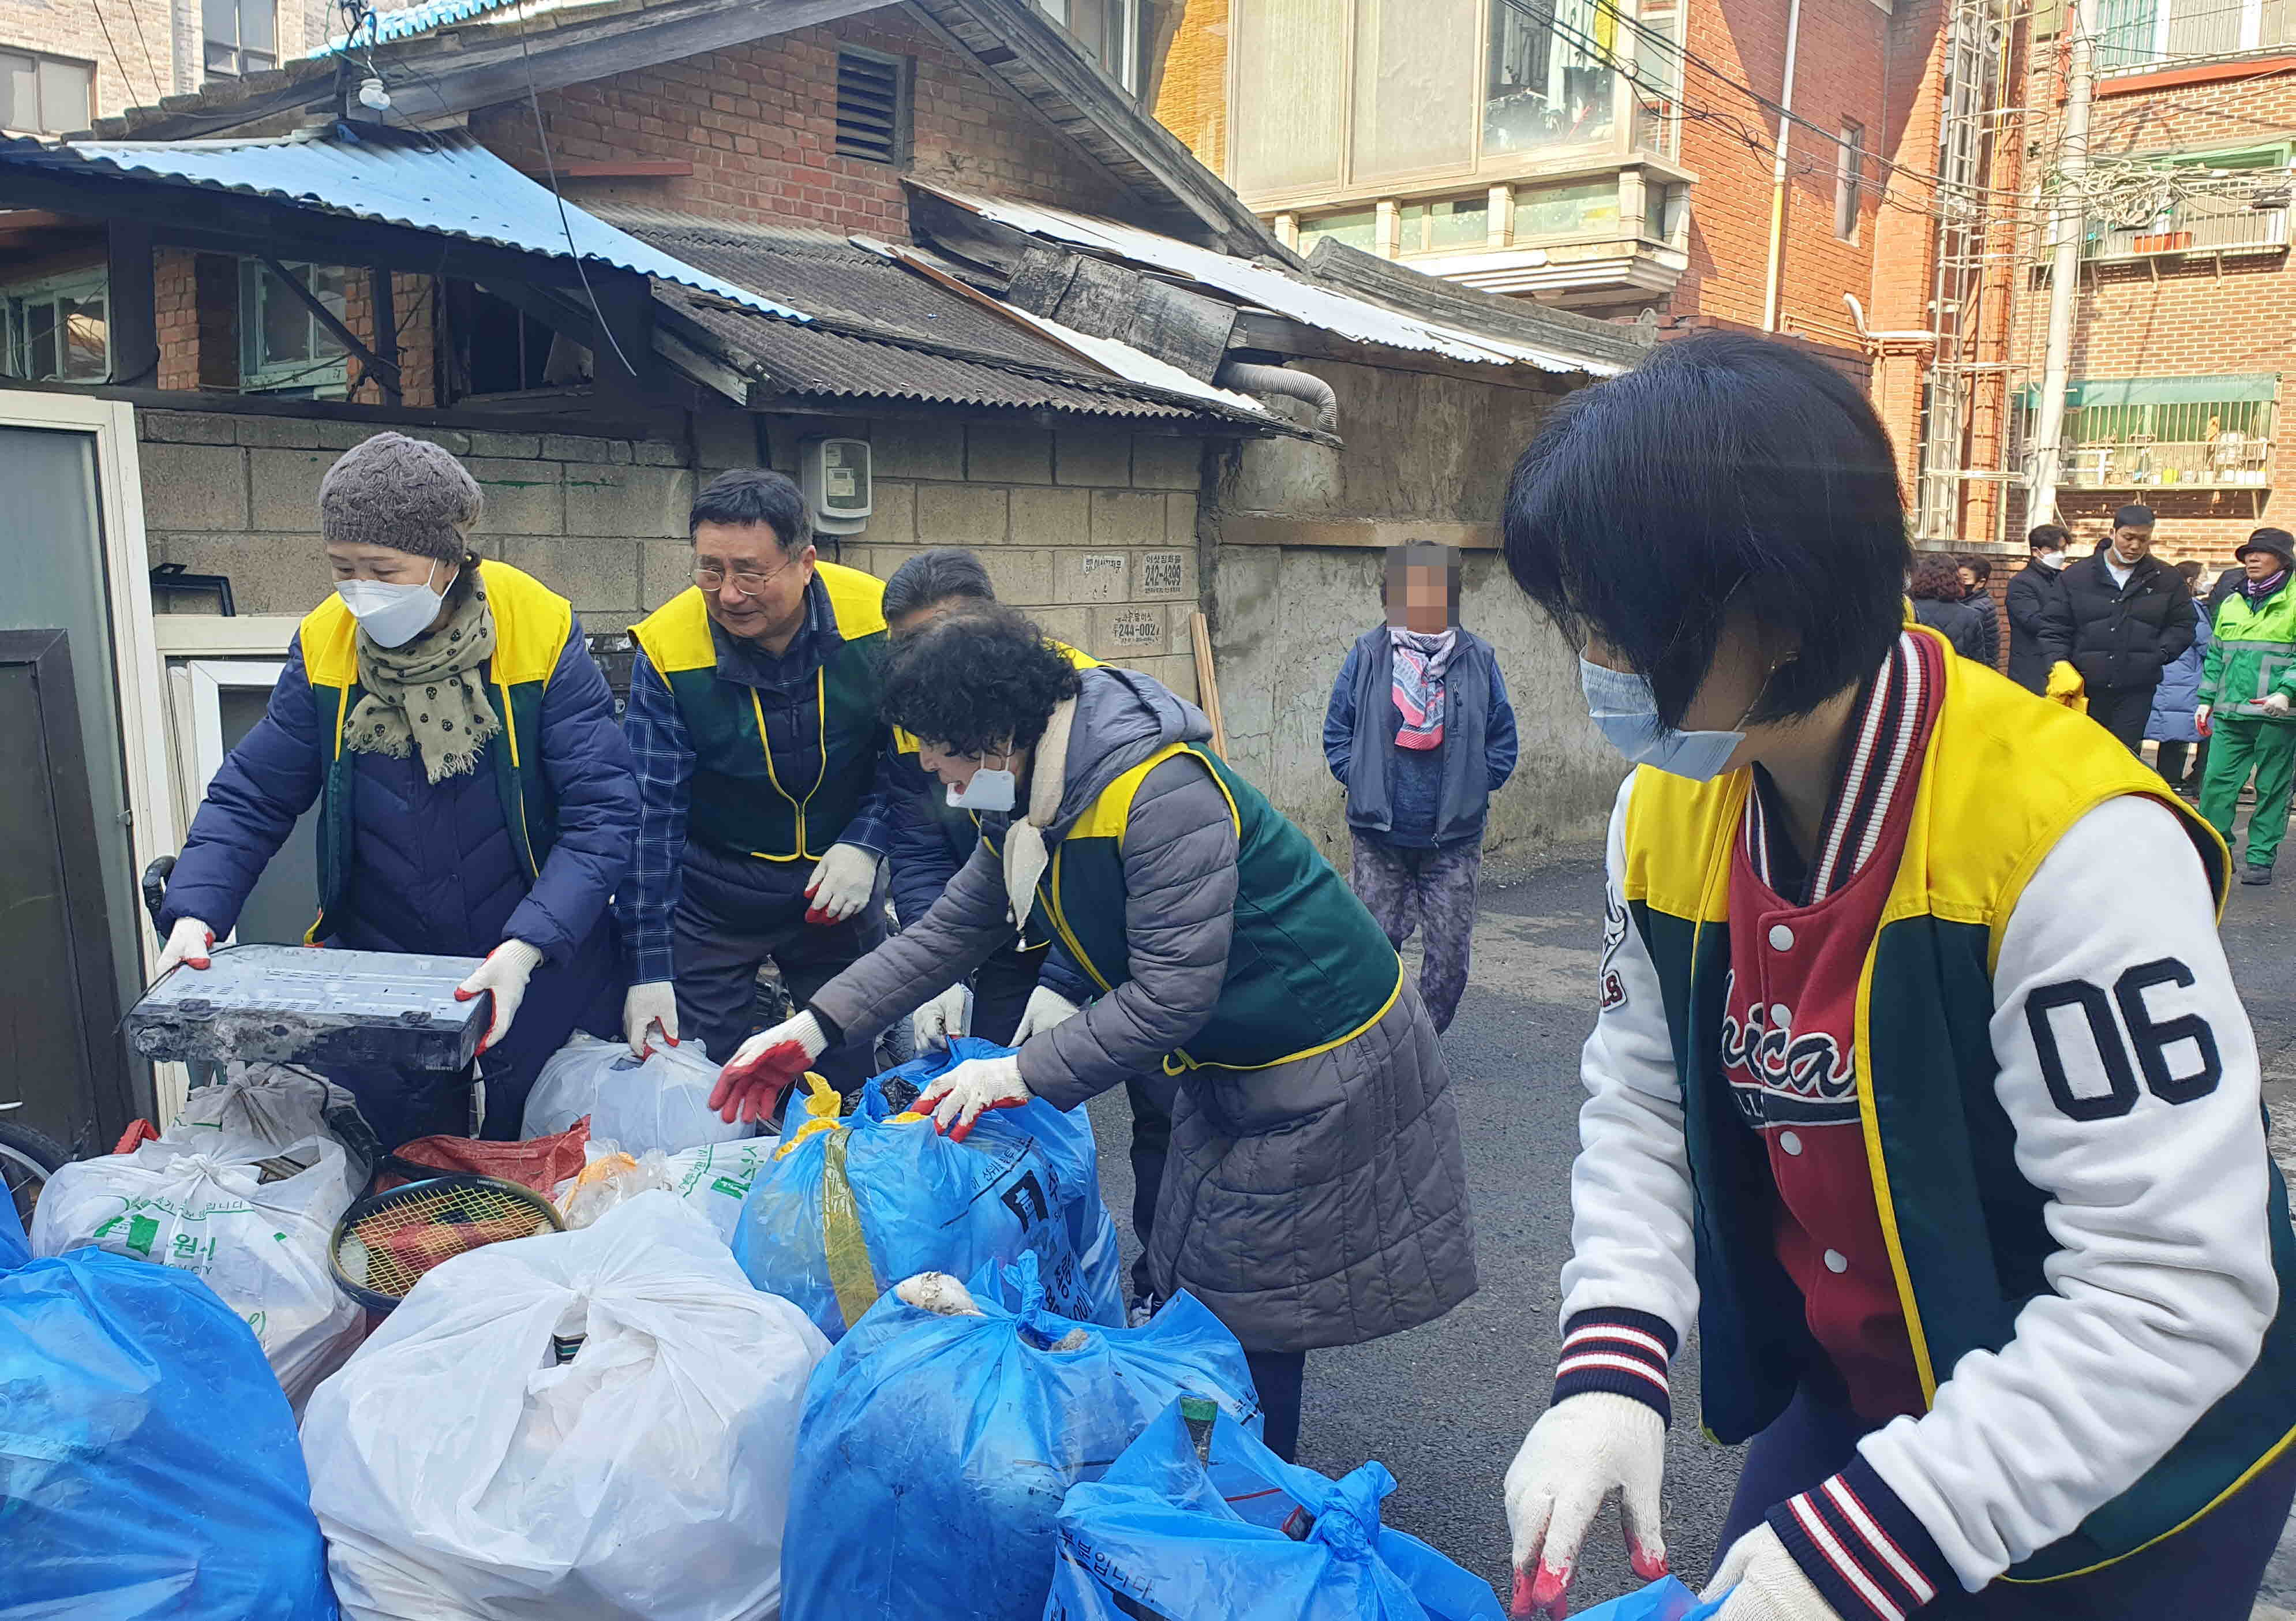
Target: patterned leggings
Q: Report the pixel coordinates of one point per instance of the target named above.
(1433, 891)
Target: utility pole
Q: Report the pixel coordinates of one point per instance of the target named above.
(1773, 277)
(2064, 271)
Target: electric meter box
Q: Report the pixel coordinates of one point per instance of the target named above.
(834, 474)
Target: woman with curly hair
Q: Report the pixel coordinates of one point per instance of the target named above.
(1937, 592)
(1315, 1194)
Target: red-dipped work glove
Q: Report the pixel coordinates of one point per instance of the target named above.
(765, 1066)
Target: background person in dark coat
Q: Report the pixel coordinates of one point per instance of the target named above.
(1977, 591)
(2121, 619)
(428, 846)
(2173, 726)
(2027, 601)
(1419, 784)
(1936, 589)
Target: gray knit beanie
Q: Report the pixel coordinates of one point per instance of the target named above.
(405, 494)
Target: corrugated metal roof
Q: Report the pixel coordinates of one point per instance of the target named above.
(447, 183)
(883, 330)
(409, 21)
(1269, 287)
(812, 360)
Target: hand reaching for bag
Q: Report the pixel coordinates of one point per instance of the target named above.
(765, 1066)
(956, 1098)
(1583, 1448)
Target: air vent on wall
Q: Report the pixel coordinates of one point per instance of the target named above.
(869, 112)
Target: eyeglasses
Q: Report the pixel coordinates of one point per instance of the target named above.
(748, 582)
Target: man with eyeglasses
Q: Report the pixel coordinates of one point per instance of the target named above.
(753, 718)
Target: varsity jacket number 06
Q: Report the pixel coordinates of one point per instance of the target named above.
(2059, 1096)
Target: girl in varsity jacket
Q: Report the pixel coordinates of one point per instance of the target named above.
(1919, 1080)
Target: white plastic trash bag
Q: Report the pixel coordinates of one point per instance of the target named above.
(608, 1179)
(713, 1179)
(660, 1102)
(275, 1105)
(590, 1425)
(252, 1222)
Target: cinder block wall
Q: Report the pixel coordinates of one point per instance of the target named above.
(1092, 528)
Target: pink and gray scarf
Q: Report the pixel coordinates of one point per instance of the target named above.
(1419, 663)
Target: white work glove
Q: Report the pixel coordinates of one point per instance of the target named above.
(2200, 718)
(1046, 1009)
(2276, 703)
(841, 884)
(940, 1021)
(955, 1100)
(189, 941)
(765, 1066)
(504, 972)
(1580, 1450)
(650, 1003)
(1764, 1583)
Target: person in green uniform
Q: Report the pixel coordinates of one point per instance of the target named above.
(2246, 689)
(1315, 1193)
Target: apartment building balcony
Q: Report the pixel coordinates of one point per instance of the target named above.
(2231, 219)
(2231, 461)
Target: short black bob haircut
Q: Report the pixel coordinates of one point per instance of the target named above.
(1724, 474)
(941, 575)
(977, 681)
(753, 495)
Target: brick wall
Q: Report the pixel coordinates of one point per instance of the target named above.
(758, 124)
(143, 60)
(2176, 317)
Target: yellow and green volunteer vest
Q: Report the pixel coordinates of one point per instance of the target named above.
(744, 801)
(2006, 776)
(1308, 969)
(531, 624)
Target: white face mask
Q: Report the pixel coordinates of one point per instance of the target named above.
(391, 614)
(993, 788)
(2050, 560)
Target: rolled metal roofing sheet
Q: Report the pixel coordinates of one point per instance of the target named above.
(1270, 287)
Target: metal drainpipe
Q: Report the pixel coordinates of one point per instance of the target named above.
(1246, 377)
(1771, 283)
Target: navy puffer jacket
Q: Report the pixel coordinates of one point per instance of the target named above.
(432, 866)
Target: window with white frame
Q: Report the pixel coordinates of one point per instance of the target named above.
(240, 36)
(54, 330)
(1849, 179)
(1108, 32)
(2135, 35)
(1552, 79)
(285, 347)
(45, 95)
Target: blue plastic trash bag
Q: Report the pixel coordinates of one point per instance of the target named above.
(847, 1207)
(935, 1450)
(1664, 1600)
(148, 1462)
(1244, 1536)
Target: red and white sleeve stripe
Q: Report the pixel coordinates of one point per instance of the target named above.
(1862, 1548)
(1626, 1353)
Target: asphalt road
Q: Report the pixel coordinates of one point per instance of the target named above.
(1445, 1406)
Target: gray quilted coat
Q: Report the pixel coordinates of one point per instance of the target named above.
(1317, 1202)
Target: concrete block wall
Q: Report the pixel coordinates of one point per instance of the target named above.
(1286, 617)
(1090, 529)
(595, 518)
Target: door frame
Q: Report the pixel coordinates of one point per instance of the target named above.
(207, 678)
(79, 855)
(153, 829)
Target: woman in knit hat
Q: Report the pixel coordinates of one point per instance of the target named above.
(478, 797)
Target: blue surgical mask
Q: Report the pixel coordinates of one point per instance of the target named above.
(1626, 712)
(992, 788)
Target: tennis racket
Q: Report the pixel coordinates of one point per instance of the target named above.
(386, 1242)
